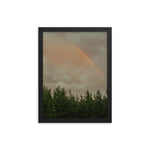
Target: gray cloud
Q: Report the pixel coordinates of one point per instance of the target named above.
(64, 66)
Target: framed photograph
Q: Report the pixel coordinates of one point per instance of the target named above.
(75, 75)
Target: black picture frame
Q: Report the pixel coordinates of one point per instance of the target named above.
(109, 74)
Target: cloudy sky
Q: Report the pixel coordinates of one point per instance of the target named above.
(76, 61)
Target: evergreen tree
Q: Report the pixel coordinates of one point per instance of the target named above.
(59, 104)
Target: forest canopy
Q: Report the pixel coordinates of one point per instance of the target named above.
(60, 104)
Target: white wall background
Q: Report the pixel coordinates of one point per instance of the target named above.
(130, 23)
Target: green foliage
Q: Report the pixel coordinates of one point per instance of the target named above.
(59, 104)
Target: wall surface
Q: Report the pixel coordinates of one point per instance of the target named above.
(130, 23)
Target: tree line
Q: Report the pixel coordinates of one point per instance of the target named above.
(60, 104)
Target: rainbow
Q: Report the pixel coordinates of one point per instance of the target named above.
(87, 59)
